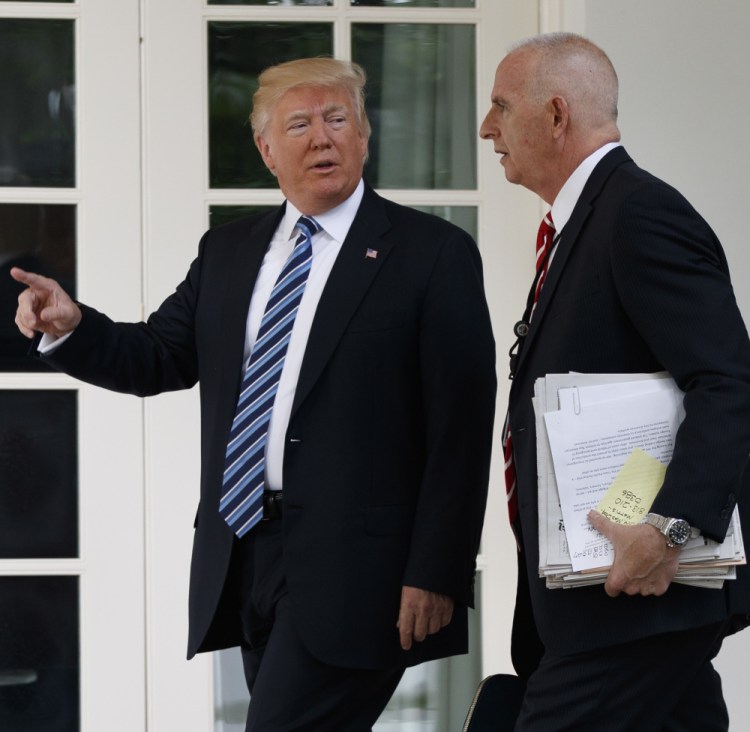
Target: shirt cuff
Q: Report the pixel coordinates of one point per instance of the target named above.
(49, 343)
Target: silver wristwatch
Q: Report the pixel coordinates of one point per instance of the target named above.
(676, 531)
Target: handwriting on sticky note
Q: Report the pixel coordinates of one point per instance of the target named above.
(633, 490)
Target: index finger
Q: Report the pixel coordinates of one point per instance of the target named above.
(405, 627)
(406, 638)
(29, 278)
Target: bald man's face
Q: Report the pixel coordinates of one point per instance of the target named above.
(518, 125)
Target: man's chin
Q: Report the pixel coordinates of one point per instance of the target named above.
(507, 167)
(511, 175)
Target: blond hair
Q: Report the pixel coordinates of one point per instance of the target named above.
(276, 81)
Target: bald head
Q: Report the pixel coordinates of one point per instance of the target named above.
(572, 67)
(554, 103)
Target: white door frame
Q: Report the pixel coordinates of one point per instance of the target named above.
(110, 432)
(177, 197)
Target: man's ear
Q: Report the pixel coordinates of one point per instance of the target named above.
(265, 151)
(559, 115)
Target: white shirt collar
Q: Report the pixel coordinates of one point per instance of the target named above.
(567, 198)
(335, 223)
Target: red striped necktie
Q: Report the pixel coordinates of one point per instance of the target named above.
(544, 239)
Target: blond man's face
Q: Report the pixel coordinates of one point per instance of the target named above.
(314, 146)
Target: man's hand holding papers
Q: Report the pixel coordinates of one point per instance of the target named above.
(603, 443)
(643, 563)
(597, 431)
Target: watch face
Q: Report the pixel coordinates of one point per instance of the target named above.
(679, 532)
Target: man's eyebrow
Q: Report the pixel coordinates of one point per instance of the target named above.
(306, 113)
(334, 107)
(297, 114)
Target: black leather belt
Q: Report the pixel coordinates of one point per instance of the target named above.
(272, 505)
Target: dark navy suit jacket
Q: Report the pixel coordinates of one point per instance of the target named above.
(639, 283)
(387, 454)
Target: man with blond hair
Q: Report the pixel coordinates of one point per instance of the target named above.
(346, 365)
(630, 279)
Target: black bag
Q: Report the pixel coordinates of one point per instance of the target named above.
(496, 704)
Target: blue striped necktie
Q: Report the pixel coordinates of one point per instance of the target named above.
(241, 503)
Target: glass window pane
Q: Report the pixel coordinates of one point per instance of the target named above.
(432, 697)
(463, 216)
(276, 3)
(38, 238)
(230, 691)
(39, 652)
(37, 103)
(420, 101)
(237, 53)
(218, 215)
(38, 475)
(435, 696)
(416, 3)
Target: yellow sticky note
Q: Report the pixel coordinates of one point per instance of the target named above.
(633, 490)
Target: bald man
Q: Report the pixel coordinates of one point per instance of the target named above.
(634, 280)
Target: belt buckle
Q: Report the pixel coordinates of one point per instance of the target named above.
(271, 505)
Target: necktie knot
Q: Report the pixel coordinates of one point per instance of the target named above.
(544, 239)
(308, 227)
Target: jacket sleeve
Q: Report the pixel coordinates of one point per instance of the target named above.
(137, 358)
(672, 278)
(457, 361)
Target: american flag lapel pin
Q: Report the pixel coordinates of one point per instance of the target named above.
(371, 253)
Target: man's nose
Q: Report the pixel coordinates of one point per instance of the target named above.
(487, 130)
(319, 136)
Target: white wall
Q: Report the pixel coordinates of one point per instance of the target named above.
(684, 110)
(684, 104)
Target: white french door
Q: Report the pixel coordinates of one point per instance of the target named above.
(430, 65)
(123, 136)
(72, 594)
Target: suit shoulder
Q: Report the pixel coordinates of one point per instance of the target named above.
(243, 228)
(652, 195)
(652, 218)
(633, 181)
(426, 234)
(406, 216)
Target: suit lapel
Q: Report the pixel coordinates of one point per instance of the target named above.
(245, 265)
(351, 277)
(568, 237)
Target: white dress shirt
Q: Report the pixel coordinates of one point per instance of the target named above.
(567, 198)
(326, 245)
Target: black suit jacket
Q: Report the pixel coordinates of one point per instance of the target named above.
(387, 453)
(639, 283)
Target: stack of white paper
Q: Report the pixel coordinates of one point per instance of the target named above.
(604, 441)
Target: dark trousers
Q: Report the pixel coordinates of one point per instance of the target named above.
(664, 683)
(289, 688)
